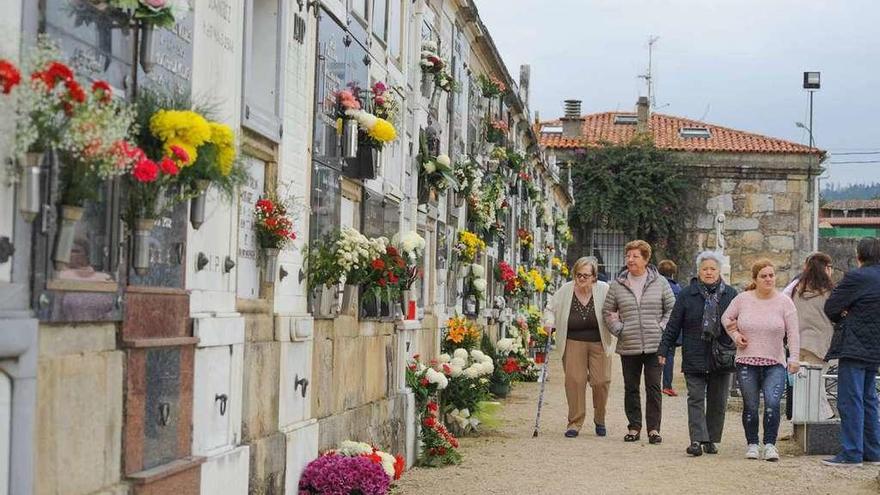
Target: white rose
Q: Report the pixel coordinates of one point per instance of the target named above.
(444, 160)
(388, 461)
(457, 361)
(471, 372)
(478, 270)
(477, 354)
(460, 354)
(430, 167)
(454, 370)
(444, 358)
(480, 284)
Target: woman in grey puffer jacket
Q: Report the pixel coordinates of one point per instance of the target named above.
(637, 307)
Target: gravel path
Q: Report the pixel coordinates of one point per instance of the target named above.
(509, 461)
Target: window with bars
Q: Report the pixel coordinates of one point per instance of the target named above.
(607, 246)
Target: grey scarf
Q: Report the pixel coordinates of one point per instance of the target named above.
(711, 309)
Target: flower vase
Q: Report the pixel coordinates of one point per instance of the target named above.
(499, 389)
(458, 199)
(147, 51)
(70, 215)
(349, 138)
(395, 310)
(408, 304)
(367, 161)
(371, 305)
(29, 187)
(349, 300)
(540, 357)
(270, 265)
(470, 304)
(197, 204)
(140, 260)
(428, 84)
(324, 301)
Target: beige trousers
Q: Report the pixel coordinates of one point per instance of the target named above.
(824, 406)
(586, 362)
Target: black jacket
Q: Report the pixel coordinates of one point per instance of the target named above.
(687, 321)
(856, 335)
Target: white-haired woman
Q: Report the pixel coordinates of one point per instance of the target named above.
(575, 312)
(696, 316)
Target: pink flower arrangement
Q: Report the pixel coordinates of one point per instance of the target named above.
(333, 474)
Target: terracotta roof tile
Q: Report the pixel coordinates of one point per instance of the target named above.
(853, 204)
(600, 127)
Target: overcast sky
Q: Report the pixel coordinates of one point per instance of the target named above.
(736, 63)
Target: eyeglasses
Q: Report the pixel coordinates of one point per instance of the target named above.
(584, 276)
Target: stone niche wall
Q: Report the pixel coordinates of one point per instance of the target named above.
(355, 367)
(767, 212)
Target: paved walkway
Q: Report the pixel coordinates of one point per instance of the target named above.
(509, 461)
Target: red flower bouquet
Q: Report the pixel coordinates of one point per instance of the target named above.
(273, 225)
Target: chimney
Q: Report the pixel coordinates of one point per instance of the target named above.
(643, 109)
(525, 75)
(572, 122)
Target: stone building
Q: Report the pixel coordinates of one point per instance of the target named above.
(764, 187)
(208, 373)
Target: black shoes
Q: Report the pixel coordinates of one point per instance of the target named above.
(571, 433)
(601, 431)
(654, 438)
(710, 448)
(629, 437)
(695, 449)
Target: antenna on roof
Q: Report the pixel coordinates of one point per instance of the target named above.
(648, 76)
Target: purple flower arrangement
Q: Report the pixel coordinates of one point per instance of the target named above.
(333, 474)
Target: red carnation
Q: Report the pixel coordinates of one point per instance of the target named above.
(391, 251)
(146, 170)
(399, 262)
(179, 154)
(9, 76)
(393, 278)
(382, 282)
(399, 466)
(169, 167)
(378, 264)
(433, 407)
(265, 205)
(75, 91)
(430, 421)
(103, 90)
(424, 382)
(510, 366)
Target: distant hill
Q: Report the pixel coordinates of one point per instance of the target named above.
(832, 192)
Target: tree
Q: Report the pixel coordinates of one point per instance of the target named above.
(635, 188)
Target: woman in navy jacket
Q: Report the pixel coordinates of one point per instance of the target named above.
(696, 317)
(854, 306)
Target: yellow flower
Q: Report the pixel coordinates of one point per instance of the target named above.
(339, 126)
(180, 126)
(556, 262)
(537, 280)
(223, 137)
(383, 131)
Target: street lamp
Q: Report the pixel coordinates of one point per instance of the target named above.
(812, 83)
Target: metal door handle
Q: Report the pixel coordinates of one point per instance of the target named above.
(301, 382)
(164, 413)
(223, 398)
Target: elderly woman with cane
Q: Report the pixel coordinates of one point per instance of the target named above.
(707, 352)
(637, 307)
(575, 311)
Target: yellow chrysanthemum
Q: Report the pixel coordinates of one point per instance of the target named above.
(223, 137)
(180, 126)
(190, 150)
(383, 131)
(537, 280)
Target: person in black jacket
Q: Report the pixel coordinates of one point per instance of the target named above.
(854, 306)
(696, 317)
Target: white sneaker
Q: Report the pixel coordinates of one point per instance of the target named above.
(770, 453)
(752, 452)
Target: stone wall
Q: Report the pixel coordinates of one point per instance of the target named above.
(842, 252)
(766, 200)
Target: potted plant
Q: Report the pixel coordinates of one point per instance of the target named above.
(274, 230)
(491, 86)
(352, 468)
(365, 133)
(411, 247)
(496, 130)
(435, 176)
(324, 274)
(355, 254)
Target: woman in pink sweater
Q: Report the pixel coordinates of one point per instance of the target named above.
(757, 320)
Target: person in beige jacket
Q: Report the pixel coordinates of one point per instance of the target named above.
(812, 290)
(575, 312)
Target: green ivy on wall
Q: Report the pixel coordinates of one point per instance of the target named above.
(638, 189)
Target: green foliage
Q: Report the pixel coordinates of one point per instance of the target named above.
(638, 189)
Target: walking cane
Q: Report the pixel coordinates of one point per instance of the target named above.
(543, 382)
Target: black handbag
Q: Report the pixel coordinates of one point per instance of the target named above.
(723, 356)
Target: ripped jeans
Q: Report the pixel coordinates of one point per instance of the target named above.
(753, 380)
